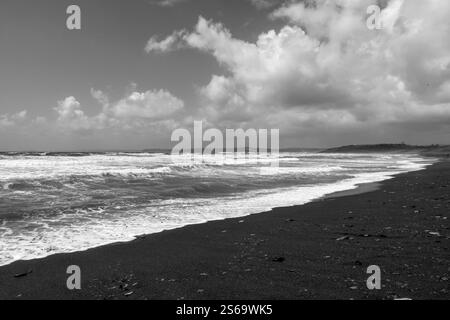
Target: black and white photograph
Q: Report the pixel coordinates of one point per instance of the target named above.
(224, 155)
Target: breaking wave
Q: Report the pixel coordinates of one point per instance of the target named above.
(65, 202)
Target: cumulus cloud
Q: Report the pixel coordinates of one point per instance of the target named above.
(69, 109)
(137, 109)
(149, 105)
(72, 118)
(326, 68)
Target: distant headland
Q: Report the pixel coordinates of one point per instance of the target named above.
(430, 150)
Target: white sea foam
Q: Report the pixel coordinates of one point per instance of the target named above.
(86, 227)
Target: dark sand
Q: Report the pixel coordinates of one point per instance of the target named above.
(288, 253)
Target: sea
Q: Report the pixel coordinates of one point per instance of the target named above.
(65, 202)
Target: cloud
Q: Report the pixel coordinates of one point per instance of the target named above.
(265, 4)
(102, 98)
(135, 121)
(326, 69)
(40, 121)
(134, 111)
(69, 109)
(7, 121)
(20, 116)
(152, 105)
(168, 3)
(71, 117)
(170, 43)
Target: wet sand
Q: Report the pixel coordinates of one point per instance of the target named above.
(320, 250)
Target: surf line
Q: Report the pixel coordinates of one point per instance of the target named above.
(229, 144)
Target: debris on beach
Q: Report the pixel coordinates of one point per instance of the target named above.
(279, 259)
(24, 274)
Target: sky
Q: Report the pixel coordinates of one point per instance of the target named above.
(140, 69)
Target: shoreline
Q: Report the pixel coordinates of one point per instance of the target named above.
(355, 189)
(197, 261)
(358, 189)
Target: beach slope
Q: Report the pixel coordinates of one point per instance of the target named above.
(320, 250)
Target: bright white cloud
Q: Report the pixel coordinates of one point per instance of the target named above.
(325, 68)
(70, 115)
(68, 109)
(148, 105)
(134, 111)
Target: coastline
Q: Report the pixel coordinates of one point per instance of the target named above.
(102, 232)
(292, 250)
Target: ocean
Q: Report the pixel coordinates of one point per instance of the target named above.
(66, 202)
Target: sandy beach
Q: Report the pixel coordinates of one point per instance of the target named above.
(320, 250)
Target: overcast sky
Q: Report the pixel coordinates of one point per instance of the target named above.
(139, 69)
